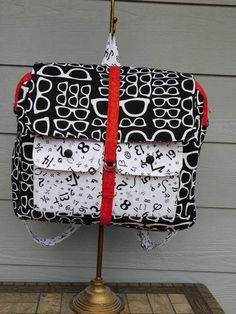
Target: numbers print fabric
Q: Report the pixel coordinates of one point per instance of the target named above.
(67, 174)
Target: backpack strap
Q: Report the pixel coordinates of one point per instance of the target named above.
(111, 55)
(147, 244)
(46, 242)
(109, 168)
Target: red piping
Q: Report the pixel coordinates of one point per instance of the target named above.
(205, 104)
(25, 78)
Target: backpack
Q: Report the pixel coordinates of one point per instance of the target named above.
(107, 144)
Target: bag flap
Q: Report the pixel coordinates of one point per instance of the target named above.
(67, 154)
(68, 100)
(150, 159)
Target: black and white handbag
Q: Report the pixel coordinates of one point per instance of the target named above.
(108, 144)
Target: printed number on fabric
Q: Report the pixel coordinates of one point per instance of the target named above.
(148, 180)
(68, 176)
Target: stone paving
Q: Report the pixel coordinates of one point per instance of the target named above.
(139, 298)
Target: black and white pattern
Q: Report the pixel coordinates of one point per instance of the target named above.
(58, 152)
(154, 105)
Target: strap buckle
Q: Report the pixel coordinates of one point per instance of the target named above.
(109, 166)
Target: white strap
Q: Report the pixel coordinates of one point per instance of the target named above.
(55, 240)
(111, 56)
(148, 244)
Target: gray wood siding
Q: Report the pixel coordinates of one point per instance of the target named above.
(188, 38)
(192, 2)
(185, 35)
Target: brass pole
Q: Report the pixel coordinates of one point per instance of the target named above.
(112, 15)
(100, 252)
(113, 19)
(97, 297)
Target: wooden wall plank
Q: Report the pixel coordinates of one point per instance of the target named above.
(208, 246)
(191, 2)
(221, 93)
(10, 76)
(217, 172)
(185, 38)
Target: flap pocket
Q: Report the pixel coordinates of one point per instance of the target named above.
(67, 154)
(150, 159)
(148, 180)
(67, 176)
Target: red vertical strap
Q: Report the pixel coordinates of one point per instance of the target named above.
(108, 181)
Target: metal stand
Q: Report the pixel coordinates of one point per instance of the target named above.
(97, 297)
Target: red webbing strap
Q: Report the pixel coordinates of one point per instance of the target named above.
(108, 181)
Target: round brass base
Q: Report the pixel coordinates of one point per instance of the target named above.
(97, 298)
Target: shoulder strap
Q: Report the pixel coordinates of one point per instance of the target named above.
(147, 244)
(111, 55)
(54, 240)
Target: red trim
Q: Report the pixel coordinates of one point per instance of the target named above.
(108, 181)
(25, 78)
(205, 104)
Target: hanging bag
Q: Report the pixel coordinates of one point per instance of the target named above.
(114, 145)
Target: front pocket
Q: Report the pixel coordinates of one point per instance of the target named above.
(147, 182)
(67, 176)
